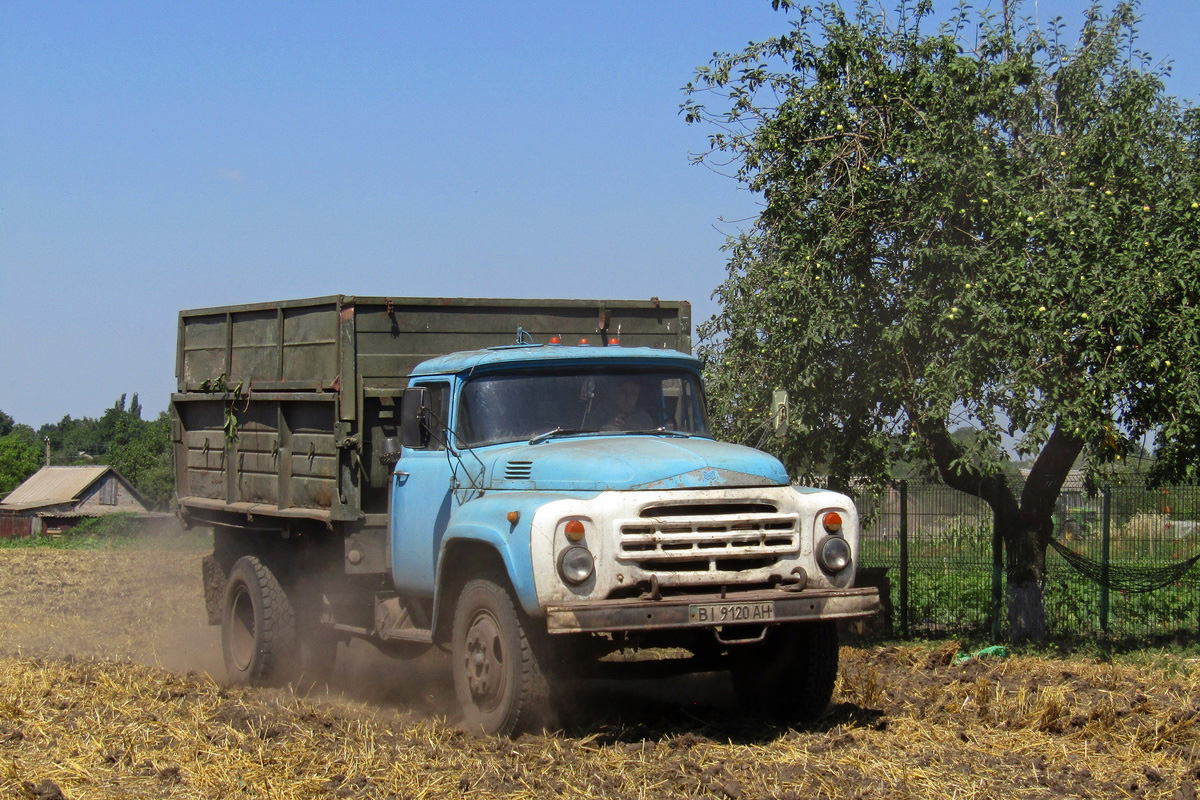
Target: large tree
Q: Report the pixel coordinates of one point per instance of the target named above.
(140, 449)
(20, 457)
(976, 222)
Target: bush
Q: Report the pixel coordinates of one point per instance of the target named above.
(122, 524)
(90, 533)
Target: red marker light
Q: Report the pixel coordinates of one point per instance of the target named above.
(555, 340)
(613, 340)
(832, 521)
(583, 341)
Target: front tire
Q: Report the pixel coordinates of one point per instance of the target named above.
(498, 677)
(790, 676)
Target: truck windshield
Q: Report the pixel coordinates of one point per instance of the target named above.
(511, 406)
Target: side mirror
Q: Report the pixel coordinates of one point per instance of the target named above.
(779, 411)
(389, 451)
(414, 415)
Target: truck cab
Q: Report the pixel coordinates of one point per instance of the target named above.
(585, 486)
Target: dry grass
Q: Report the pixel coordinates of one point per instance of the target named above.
(907, 723)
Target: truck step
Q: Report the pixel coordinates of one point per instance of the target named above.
(419, 635)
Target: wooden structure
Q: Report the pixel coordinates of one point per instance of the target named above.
(54, 499)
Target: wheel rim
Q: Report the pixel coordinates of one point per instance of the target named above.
(484, 659)
(241, 629)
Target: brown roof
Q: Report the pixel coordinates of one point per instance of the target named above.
(54, 485)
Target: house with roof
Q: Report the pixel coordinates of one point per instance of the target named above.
(54, 499)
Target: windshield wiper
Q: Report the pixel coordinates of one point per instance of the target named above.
(551, 434)
(664, 432)
(650, 432)
(541, 437)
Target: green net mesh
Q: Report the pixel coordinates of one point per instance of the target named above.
(1125, 578)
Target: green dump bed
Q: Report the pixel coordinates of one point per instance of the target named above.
(280, 406)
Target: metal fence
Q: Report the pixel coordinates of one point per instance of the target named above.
(932, 549)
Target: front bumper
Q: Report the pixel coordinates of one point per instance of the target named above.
(612, 616)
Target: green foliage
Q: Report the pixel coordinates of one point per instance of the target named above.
(20, 457)
(233, 393)
(980, 224)
(109, 525)
(973, 224)
(943, 601)
(141, 451)
(92, 533)
(958, 601)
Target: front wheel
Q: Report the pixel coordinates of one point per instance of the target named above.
(498, 677)
(789, 676)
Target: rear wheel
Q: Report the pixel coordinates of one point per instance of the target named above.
(498, 677)
(790, 675)
(262, 638)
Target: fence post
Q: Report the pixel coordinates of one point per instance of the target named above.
(904, 559)
(1105, 545)
(997, 569)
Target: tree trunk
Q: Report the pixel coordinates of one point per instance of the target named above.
(1024, 525)
(1025, 553)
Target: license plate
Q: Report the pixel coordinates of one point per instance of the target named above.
(727, 613)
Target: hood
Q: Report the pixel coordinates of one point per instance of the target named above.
(599, 463)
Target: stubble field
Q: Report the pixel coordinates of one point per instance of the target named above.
(111, 687)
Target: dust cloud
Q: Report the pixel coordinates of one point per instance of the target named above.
(143, 602)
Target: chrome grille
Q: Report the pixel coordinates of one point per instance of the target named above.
(713, 542)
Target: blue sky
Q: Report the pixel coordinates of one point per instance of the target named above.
(159, 156)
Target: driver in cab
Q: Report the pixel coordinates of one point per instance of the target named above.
(626, 414)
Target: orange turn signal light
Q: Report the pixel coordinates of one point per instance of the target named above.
(512, 517)
(832, 521)
(574, 530)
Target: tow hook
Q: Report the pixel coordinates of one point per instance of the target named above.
(799, 581)
(653, 593)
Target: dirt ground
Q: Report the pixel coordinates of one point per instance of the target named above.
(111, 687)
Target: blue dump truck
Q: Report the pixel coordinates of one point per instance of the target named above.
(530, 486)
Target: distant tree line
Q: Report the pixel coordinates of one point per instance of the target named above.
(138, 448)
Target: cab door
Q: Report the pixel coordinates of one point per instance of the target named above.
(422, 499)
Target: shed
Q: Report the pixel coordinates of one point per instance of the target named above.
(54, 499)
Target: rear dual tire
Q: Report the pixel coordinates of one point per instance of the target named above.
(264, 641)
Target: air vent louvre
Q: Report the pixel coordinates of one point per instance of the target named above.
(518, 470)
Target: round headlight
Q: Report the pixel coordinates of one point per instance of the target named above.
(833, 553)
(575, 565)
